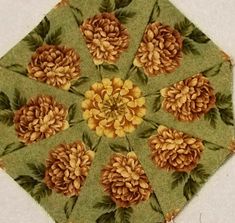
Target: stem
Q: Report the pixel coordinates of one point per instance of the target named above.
(74, 91)
(100, 71)
(97, 144)
(130, 72)
(130, 148)
(155, 124)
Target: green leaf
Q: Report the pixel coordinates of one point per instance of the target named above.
(198, 36)
(155, 13)
(106, 204)
(33, 41)
(80, 81)
(157, 104)
(55, 37)
(27, 182)
(185, 27)
(12, 147)
(123, 15)
(190, 188)
(141, 76)
(178, 178)
(41, 191)
(146, 133)
(155, 205)
(38, 170)
(122, 3)
(226, 115)
(213, 71)
(212, 146)
(118, 148)
(69, 206)
(223, 100)
(189, 47)
(200, 173)
(86, 139)
(77, 14)
(4, 102)
(72, 113)
(18, 100)
(108, 217)
(106, 6)
(43, 28)
(123, 215)
(6, 118)
(110, 67)
(212, 117)
(17, 68)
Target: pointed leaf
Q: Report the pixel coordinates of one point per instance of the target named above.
(122, 3)
(189, 47)
(18, 100)
(212, 146)
(200, 173)
(72, 113)
(198, 36)
(157, 104)
(69, 206)
(141, 76)
(146, 133)
(6, 118)
(226, 115)
(106, 6)
(41, 191)
(33, 41)
(185, 27)
(17, 68)
(38, 170)
(87, 140)
(77, 14)
(223, 100)
(108, 217)
(190, 188)
(155, 13)
(80, 81)
(110, 67)
(118, 148)
(178, 178)
(106, 204)
(27, 182)
(12, 147)
(43, 28)
(4, 101)
(212, 117)
(123, 15)
(124, 215)
(213, 71)
(55, 37)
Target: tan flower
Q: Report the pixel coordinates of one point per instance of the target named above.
(62, 3)
(113, 107)
(232, 146)
(41, 118)
(55, 65)
(125, 180)
(160, 50)
(105, 37)
(67, 168)
(175, 150)
(189, 99)
(169, 217)
(2, 164)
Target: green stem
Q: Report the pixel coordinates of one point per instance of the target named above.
(97, 144)
(155, 124)
(130, 148)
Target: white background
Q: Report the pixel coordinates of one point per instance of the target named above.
(216, 201)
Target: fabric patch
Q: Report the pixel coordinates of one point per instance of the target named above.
(109, 111)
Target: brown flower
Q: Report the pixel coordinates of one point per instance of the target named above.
(41, 118)
(232, 146)
(160, 50)
(55, 65)
(1, 164)
(105, 37)
(62, 3)
(175, 150)
(113, 107)
(125, 180)
(67, 168)
(169, 217)
(189, 99)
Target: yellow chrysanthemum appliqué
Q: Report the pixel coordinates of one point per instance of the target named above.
(113, 107)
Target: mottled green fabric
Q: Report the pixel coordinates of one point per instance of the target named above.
(165, 116)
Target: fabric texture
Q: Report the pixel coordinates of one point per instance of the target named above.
(109, 111)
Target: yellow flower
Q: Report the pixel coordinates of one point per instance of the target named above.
(125, 180)
(113, 107)
(175, 150)
(160, 50)
(189, 99)
(67, 168)
(169, 217)
(55, 65)
(105, 37)
(41, 118)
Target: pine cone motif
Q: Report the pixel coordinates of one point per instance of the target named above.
(169, 217)
(106, 38)
(41, 118)
(113, 107)
(55, 65)
(189, 99)
(160, 50)
(67, 168)
(125, 180)
(175, 150)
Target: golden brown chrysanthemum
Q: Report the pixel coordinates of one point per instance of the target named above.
(41, 118)
(189, 99)
(1, 164)
(62, 3)
(169, 217)
(232, 146)
(105, 37)
(67, 168)
(160, 50)
(113, 107)
(55, 65)
(175, 150)
(125, 180)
